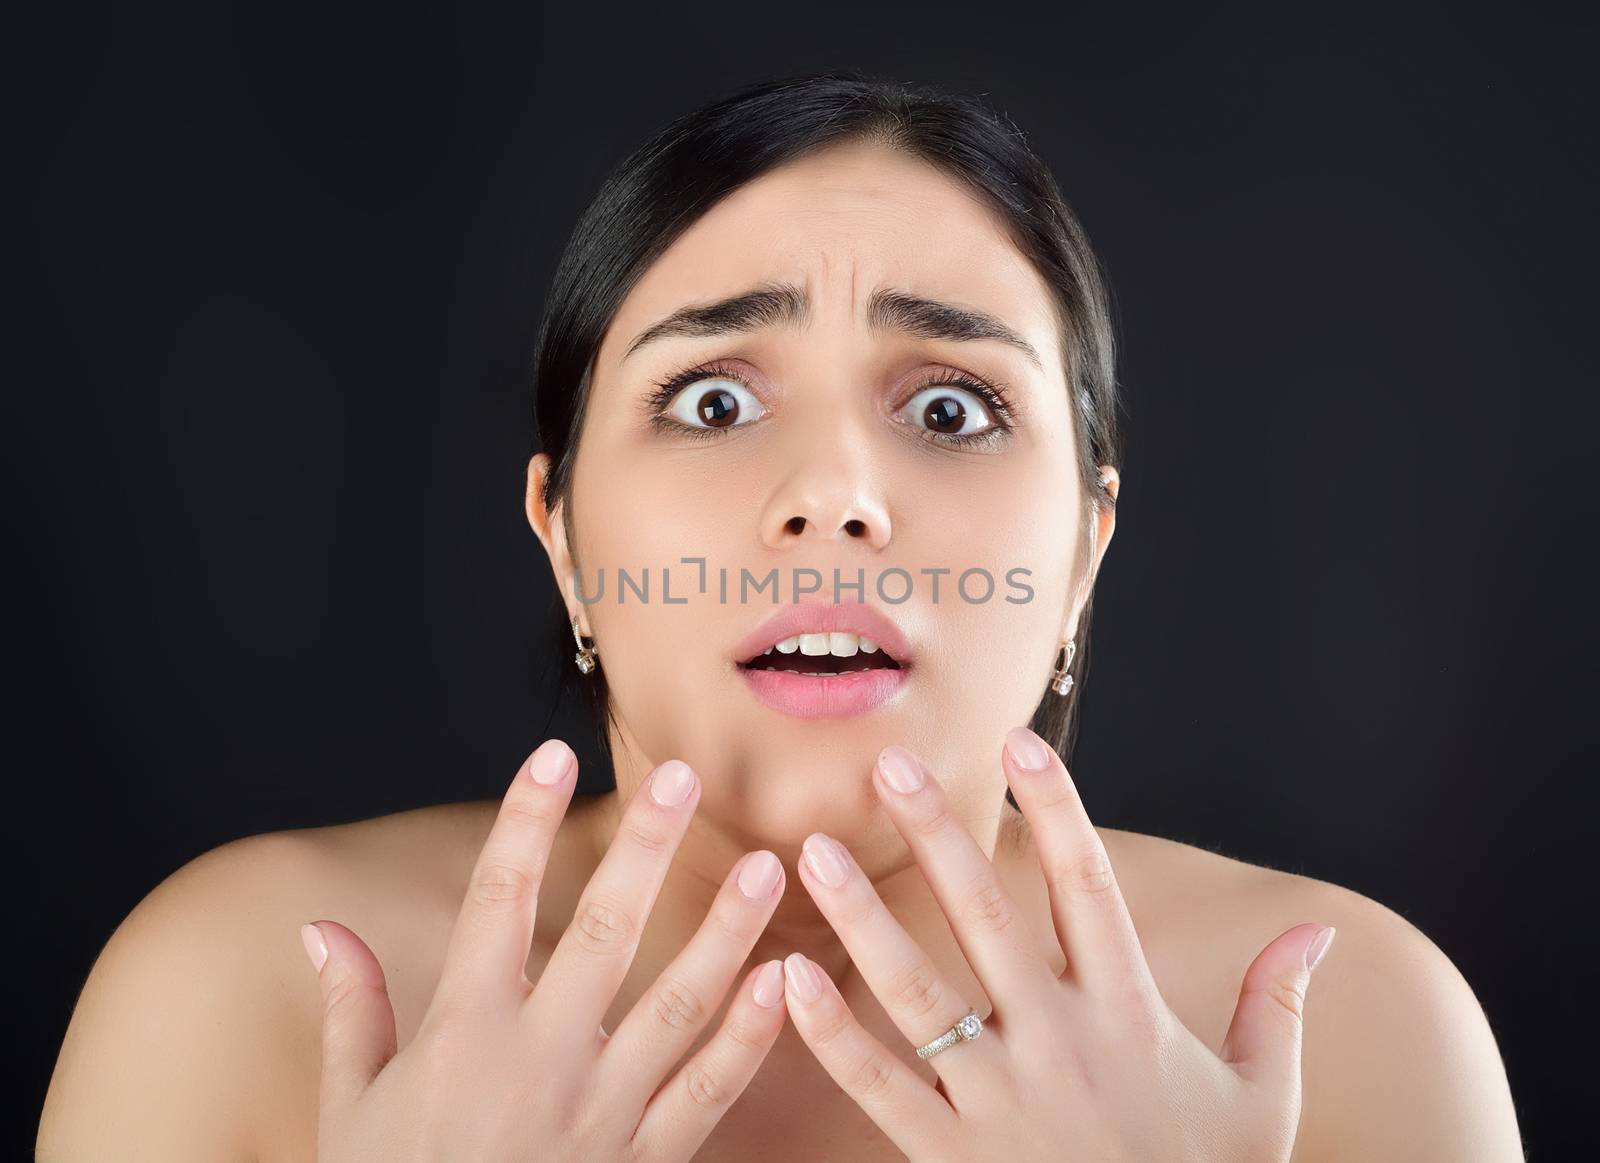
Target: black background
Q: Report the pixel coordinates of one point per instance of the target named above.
(275, 288)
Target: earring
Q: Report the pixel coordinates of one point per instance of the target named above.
(586, 654)
(1061, 681)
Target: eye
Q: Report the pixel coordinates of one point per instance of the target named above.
(949, 412)
(705, 402)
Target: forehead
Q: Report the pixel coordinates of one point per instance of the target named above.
(841, 223)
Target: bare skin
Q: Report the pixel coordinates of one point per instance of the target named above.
(1386, 1010)
(206, 994)
(197, 1035)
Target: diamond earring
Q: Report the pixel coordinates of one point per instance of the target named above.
(586, 654)
(1061, 681)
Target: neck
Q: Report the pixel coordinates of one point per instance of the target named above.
(710, 847)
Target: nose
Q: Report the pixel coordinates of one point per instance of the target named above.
(828, 503)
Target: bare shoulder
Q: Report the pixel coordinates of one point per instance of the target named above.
(196, 1034)
(1399, 1060)
(152, 1065)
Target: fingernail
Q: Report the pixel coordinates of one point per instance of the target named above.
(768, 989)
(1028, 751)
(671, 783)
(802, 978)
(550, 762)
(900, 768)
(1319, 946)
(759, 876)
(316, 947)
(826, 859)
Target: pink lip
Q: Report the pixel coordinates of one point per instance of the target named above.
(822, 618)
(834, 696)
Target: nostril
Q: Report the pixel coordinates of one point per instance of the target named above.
(854, 527)
(795, 524)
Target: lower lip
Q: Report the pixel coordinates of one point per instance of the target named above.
(834, 696)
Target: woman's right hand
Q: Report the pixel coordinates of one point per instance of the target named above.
(502, 1069)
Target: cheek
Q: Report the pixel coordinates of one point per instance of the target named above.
(653, 511)
(994, 657)
(667, 662)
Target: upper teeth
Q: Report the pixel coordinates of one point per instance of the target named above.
(840, 645)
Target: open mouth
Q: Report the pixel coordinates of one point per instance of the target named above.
(823, 655)
(815, 661)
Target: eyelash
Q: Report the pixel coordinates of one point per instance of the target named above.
(994, 396)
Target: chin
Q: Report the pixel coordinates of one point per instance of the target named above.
(785, 794)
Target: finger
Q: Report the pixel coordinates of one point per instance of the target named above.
(358, 1032)
(915, 994)
(685, 1110)
(590, 961)
(990, 928)
(1086, 905)
(1264, 1039)
(915, 1116)
(487, 956)
(664, 1023)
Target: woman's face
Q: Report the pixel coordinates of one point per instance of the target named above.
(837, 441)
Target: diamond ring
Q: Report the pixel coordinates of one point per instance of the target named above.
(965, 1030)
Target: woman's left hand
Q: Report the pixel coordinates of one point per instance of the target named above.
(1088, 1064)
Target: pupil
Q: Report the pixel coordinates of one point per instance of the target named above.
(718, 406)
(946, 411)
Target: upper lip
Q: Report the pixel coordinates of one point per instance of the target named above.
(821, 618)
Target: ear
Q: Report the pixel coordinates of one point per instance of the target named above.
(1107, 518)
(1105, 528)
(548, 526)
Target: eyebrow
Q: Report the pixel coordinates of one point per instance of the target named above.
(786, 305)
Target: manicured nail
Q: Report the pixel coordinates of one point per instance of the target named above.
(900, 768)
(802, 978)
(316, 947)
(1319, 946)
(826, 859)
(1028, 751)
(550, 762)
(759, 876)
(768, 989)
(671, 783)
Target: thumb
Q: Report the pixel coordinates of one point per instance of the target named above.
(1263, 1042)
(358, 1034)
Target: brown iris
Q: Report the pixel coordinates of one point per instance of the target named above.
(945, 414)
(718, 408)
